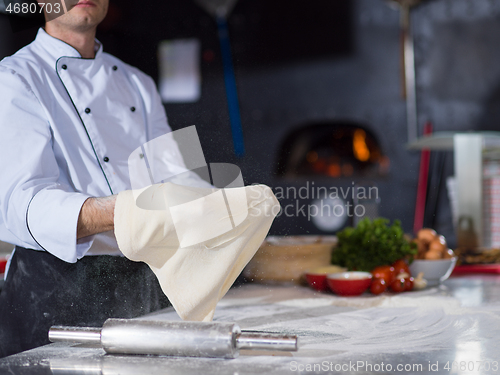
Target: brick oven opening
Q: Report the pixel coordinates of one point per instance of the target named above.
(331, 149)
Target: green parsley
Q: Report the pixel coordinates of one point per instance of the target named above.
(372, 244)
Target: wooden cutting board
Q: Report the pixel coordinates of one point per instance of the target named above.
(285, 259)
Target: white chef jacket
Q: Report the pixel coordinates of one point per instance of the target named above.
(67, 128)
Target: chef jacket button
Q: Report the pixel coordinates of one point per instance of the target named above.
(115, 67)
(106, 159)
(87, 110)
(132, 109)
(64, 66)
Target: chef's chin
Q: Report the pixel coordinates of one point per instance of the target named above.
(82, 15)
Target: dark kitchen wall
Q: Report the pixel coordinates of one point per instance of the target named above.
(327, 61)
(350, 73)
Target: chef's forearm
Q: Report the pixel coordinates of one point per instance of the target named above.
(96, 216)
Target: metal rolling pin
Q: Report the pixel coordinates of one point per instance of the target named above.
(181, 339)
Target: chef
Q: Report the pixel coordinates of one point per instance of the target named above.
(70, 115)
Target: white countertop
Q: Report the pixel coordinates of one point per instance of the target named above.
(456, 325)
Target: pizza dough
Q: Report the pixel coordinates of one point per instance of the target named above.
(196, 240)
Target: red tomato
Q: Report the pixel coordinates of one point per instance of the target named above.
(400, 266)
(384, 272)
(398, 285)
(408, 284)
(378, 286)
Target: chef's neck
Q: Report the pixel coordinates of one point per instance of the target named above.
(83, 42)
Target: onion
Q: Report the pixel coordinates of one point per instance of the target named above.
(421, 247)
(426, 235)
(438, 245)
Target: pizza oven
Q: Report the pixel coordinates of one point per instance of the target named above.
(331, 149)
(327, 176)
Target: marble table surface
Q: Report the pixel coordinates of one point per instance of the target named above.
(450, 329)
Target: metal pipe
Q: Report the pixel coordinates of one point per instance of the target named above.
(87, 335)
(408, 65)
(266, 341)
(410, 87)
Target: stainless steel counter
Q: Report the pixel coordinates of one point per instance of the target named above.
(452, 329)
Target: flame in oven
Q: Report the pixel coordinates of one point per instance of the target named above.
(359, 146)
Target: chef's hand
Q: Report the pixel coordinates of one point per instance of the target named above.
(96, 216)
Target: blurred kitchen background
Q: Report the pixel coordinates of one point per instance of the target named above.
(320, 90)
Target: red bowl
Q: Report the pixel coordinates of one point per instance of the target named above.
(3, 263)
(349, 283)
(316, 277)
(317, 281)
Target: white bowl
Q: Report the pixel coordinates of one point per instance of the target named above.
(351, 275)
(435, 271)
